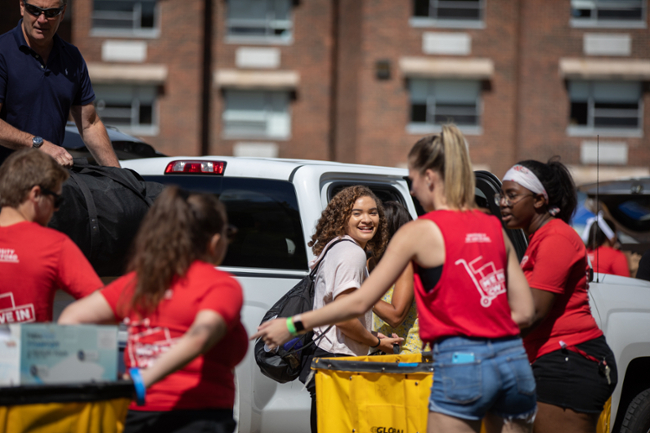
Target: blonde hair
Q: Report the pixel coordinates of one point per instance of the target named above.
(446, 153)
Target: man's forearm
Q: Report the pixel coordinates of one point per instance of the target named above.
(14, 138)
(96, 139)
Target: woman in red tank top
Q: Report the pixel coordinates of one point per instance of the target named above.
(471, 297)
(574, 367)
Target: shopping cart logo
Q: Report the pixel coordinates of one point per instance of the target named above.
(385, 430)
(8, 255)
(12, 313)
(489, 281)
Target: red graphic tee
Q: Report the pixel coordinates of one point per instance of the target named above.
(470, 299)
(556, 261)
(607, 260)
(208, 380)
(35, 261)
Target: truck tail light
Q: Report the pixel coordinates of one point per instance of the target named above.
(198, 167)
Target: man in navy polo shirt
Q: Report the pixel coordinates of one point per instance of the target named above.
(42, 80)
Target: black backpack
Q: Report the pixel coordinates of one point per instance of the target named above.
(285, 363)
(102, 211)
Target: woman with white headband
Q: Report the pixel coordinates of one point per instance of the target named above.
(600, 237)
(574, 367)
(470, 291)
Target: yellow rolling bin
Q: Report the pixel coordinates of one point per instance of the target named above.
(76, 408)
(373, 394)
(381, 394)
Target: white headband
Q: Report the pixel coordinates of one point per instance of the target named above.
(601, 223)
(526, 178)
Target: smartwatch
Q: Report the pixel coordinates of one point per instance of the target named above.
(297, 322)
(37, 142)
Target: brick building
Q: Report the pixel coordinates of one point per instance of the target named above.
(362, 80)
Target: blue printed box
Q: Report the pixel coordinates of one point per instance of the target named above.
(44, 353)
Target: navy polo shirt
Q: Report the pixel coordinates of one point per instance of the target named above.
(36, 98)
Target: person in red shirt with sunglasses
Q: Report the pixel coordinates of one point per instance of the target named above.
(36, 261)
(43, 80)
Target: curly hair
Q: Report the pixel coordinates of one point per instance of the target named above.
(333, 221)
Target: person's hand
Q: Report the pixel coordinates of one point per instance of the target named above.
(386, 343)
(273, 333)
(57, 152)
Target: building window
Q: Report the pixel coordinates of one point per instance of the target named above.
(605, 106)
(448, 13)
(436, 102)
(133, 17)
(131, 108)
(611, 13)
(256, 114)
(260, 19)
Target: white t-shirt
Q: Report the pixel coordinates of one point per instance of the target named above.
(343, 268)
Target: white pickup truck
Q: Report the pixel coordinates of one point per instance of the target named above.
(275, 205)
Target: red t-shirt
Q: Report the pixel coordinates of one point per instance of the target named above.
(208, 380)
(35, 261)
(607, 260)
(470, 299)
(556, 261)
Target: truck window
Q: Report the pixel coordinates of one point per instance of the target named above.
(383, 192)
(265, 213)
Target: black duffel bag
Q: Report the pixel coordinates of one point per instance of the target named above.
(102, 211)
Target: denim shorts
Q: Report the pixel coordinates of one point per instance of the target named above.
(474, 376)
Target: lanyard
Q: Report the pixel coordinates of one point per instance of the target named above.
(579, 351)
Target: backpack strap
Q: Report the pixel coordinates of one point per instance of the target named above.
(313, 272)
(312, 275)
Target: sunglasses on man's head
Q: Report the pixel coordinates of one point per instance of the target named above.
(58, 199)
(48, 12)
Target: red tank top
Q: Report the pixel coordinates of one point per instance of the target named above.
(470, 298)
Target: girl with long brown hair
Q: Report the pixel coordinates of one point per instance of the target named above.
(183, 314)
(352, 222)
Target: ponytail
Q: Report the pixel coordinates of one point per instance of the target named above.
(447, 154)
(175, 232)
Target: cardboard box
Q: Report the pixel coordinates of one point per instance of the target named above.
(45, 353)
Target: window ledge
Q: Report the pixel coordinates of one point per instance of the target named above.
(258, 40)
(580, 131)
(244, 136)
(419, 22)
(141, 130)
(426, 128)
(122, 33)
(589, 24)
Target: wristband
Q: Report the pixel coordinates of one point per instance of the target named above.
(378, 342)
(138, 383)
(291, 327)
